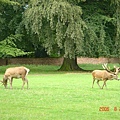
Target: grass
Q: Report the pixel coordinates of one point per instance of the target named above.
(37, 69)
(59, 96)
(34, 69)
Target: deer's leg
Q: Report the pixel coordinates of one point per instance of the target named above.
(104, 84)
(10, 80)
(23, 83)
(98, 84)
(26, 80)
(93, 81)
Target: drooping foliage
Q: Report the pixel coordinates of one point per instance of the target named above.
(56, 23)
(59, 26)
(64, 27)
(8, 2)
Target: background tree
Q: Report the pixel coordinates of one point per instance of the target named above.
(11, 43)
(9, 14)
(116, 7)
(99, 37)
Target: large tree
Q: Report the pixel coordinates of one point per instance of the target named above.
(64, 28)
(57, 23)
(60, 26)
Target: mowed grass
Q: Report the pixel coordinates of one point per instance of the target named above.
(59, 96)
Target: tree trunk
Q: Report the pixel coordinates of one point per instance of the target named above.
(70, 65)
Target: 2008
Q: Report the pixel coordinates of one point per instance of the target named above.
(104, 109)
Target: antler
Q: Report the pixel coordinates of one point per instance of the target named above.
(106, 67)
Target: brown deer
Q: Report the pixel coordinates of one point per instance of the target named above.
(104, 75)
(15, 72)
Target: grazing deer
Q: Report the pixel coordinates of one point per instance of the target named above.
(15, 72)
(104, 75)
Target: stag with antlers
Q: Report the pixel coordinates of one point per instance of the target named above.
(104, 75)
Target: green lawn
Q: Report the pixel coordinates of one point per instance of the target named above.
(59, 96)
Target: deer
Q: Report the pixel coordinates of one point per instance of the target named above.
(15, 72)
(104, 75)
